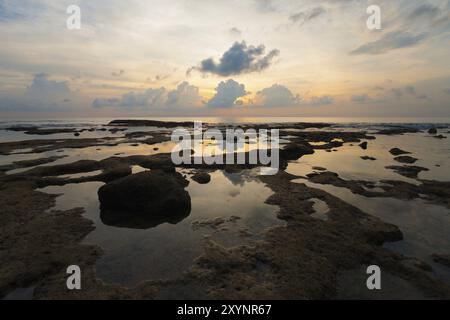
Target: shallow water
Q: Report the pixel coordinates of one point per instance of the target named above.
(164, 252)
(425, 227)
(348, 164)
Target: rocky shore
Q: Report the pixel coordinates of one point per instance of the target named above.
(306, 258)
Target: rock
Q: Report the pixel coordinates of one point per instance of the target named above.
(440, 137)
(418, 264)
(363, 145)
(145, 200)
(432, 131)
(150, 123)
(294, 151)
(201, 177)
(76, 134)
(400, 131)
(397, 151)
(407, 171)
(368, 158)
(405, 159)
(443, 259)
(319, 168)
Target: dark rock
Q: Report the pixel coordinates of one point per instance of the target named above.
(201, 177)
(145, 200)
(21, 128)
(443, 259)
(76, 134)
(397, 151)
(150, 123)
(363, 145)
(432, 131)
(440, 137)
(368, 158)
(319, 168)
(407, 171)
(400, 130)
(405, 159)
(38, 131)
(294, 151)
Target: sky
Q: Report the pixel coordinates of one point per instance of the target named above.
(224, 58)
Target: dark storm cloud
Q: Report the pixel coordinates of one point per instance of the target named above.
(239, 59)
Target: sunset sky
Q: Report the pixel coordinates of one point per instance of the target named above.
(225, 57)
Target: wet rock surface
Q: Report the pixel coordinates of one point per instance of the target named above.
(408, 171)
(405, 159)
(201, 177)
(397, 151)
(443, 259)
(145, 200)
(368, 158)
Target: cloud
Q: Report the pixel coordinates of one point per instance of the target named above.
(363, 98)
(184, 96)
(390, 41)
(265, 6)
(422, 97)
(235, 32)
(239, 59)
(100, 103)
(44, 89)
(406, 92)
(118, 74)
(42, 94)
(305, 16)
(226, 94)
(321, 101)
(276, 96)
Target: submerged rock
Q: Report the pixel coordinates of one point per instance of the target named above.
(399, 130)
(145, 200)
(294, 151)
(397, 151)
(405, 159)
(368, 158)
(407, 171)
(363, 145)
(201, 177)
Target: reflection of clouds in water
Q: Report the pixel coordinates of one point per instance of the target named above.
(240, 178)
(234, 193)
(235, 178)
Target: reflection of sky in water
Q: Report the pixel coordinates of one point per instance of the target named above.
(94, 153)
(348, 164)
(133, 255)
(425, 227)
